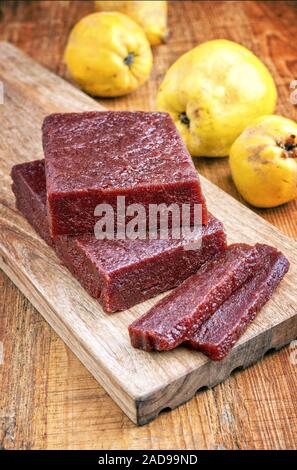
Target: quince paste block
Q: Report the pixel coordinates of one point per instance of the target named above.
(217, 336)
(28, 185)
(176, 317)
(119, 273)
(93, 157)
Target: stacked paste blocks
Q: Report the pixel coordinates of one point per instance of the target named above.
(119, 273)
(77, 175)
(94, 157)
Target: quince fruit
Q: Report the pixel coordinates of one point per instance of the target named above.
(150, 15)
(263, 161)
(108, 54)
(213, 92)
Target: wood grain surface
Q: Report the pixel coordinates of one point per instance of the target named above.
(65, 407)
(142, 384)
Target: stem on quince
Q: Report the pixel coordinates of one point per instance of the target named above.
(289, 146)
(184, 119)
(129, 59)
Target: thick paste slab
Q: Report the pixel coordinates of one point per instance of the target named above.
(218, 335)
(118, 273)
(177, 316)
(93, 157)
(29, 188)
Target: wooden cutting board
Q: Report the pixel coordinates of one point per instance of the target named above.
(142, 384)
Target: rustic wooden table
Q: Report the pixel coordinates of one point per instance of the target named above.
(48, 399)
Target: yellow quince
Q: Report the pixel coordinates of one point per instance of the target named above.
(150, 15)
(213, 92)
(108, 54)
(263, 161)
